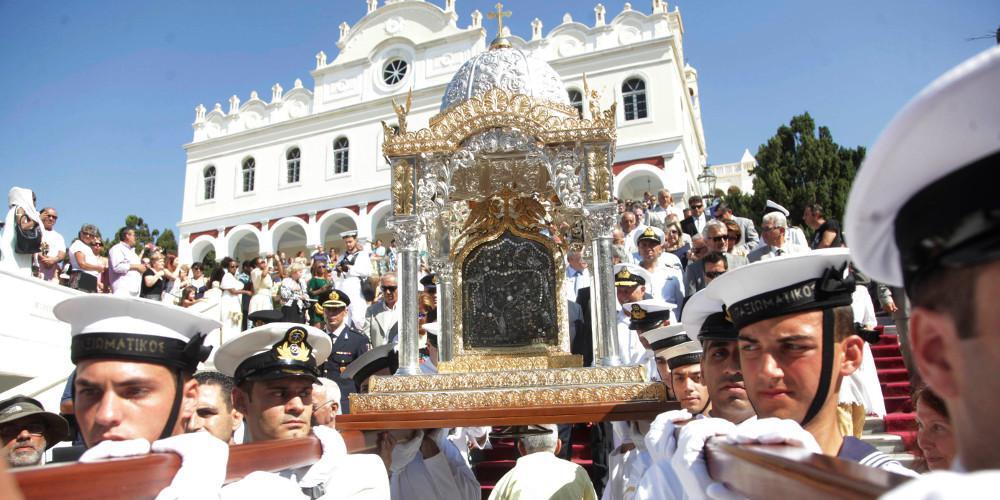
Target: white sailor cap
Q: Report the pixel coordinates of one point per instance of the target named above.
(129, 328)
(674, 345)
(275, 350)
(352, 233)
(706, 318)
(771, 206)
(649, 233)
(943, 147)
(433, 328)
(631, 275)
(382, 357)
(648, 313)
(770, 288)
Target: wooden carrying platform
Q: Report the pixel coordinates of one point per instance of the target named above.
(754, 471)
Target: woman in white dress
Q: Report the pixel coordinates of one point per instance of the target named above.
(230, 306)
(262, 285)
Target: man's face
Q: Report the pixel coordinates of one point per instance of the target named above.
(117, 400)
(24, 441)
(720, 370)
(698, 248)
(277, 409)
(963, 370)
(628, 222)
(324, 410)
(689, 388)
(211, 414)
(697, 208)
(781, 360)
(334, 316)
(662, 369)
(714, 270)
(628, 294)
(350, 242)
(774, 236)
(390, 290)
(575, 260)
(130, 237)
(715, 239)
(49, 219)
(662, 200)
(649, 251)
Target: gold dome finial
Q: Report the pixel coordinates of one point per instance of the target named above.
(500, 42)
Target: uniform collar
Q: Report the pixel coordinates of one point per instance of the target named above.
(336, 333)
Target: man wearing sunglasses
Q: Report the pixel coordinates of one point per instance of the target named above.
(696, 222)
(28, 430)
(715, 241)
(382, 317)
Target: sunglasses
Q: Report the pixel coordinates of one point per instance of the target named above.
(674, 231)
(714, 274)
(697, 206)
(53, 217)
(9, 432)
(718, 239)
(389, 288)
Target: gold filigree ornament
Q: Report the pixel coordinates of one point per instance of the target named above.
(549, 123)
(507, 398)
(507, 379)
(402, 187)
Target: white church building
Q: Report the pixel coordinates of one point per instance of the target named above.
(293, 171)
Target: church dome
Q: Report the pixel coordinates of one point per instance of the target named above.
(508, 69)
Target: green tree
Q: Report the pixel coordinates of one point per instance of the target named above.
(798, 166)
(167, 241)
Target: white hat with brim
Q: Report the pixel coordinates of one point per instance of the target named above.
(275, 350)
(130, 328)
(776, 287)
(952, 125)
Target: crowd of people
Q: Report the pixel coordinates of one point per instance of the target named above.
(760, 338)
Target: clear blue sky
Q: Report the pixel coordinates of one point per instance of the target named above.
(98, 96)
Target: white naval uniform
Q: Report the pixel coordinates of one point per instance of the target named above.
(445, 475)
(361, 269)
(625, 470)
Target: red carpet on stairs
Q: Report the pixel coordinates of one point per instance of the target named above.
(502, 458)
(896, 389)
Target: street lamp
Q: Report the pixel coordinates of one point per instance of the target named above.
(708, 179)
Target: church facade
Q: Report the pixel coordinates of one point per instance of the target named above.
(293, 171)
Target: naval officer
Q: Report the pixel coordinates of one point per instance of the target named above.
(348, 343)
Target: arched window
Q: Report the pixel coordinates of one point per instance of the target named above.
(249, 167)
(634, 97)
(576, 100)
(341, 161)
(292, 159)
(210, 183)
(394, 71)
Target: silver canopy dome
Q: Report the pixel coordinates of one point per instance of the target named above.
(508, 69)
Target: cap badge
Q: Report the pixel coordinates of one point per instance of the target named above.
(638, 312)
(649, 233)
(334, 296)
(294, 346)
(624, 274)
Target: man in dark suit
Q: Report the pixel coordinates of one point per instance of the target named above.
(694, 223)
(348, 344)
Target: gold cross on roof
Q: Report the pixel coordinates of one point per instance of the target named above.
(499, 15)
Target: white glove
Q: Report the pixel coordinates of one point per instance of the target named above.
(776, 431)
(660, 441)
(115, 449)
(203, 465)
(688, 463)
(334, 450)
(404, 453)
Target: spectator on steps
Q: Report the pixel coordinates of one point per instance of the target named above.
(935, 436)
(540, 474)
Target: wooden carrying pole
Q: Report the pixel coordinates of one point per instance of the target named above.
(144, 477)
(775, 471)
